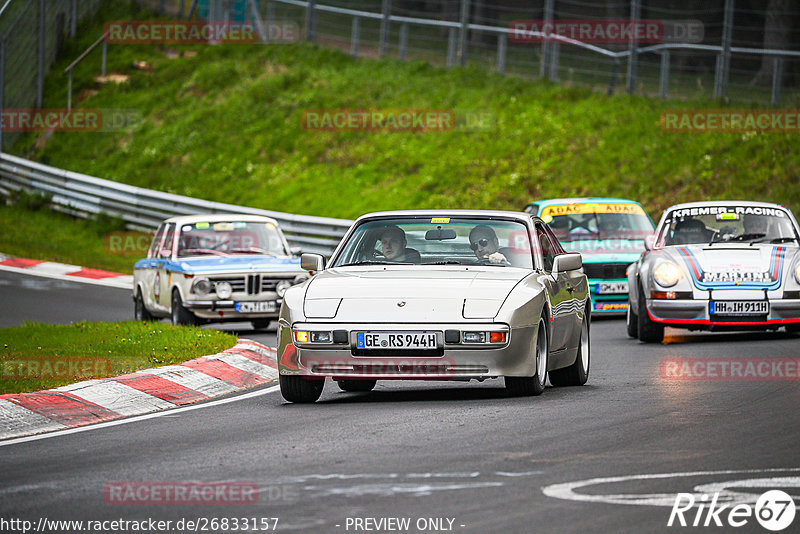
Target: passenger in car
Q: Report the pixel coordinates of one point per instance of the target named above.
(393, 245)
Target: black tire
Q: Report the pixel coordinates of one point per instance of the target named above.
(356, 385)
(140, 312)
(648, 330)
(178, 314)
(632, 322)
(578, 373)
(793, 329)
(260, 324)
(525, 386)
(301, 390)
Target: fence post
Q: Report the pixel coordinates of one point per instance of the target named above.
(549, 7)
(181, 9)
(310, 15)
(401, 53)
(40, 57)
(354, 31)
(663, 81)
(777, 78)
(105, 54)
(612, 83)
(724, 63)
(386, 12)
(2, 83)
(462, 35)
(73, 22)
(633, 49)
(555, 46)
(69, 91)
(502, 40)
(270, 19)
(451, 46)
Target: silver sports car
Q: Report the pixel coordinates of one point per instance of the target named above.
(437, 295)
(723, 265)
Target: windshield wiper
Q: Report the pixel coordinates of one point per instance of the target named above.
(374, 262)
(202, 250)
(747, 237)
(443, 262)
(254, 250)
(774, 240)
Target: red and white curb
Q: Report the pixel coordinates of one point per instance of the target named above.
(63, 271)
(245, 365)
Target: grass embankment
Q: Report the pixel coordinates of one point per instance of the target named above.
(224, 123)
(39, 356)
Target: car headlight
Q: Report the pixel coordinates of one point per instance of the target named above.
(202, 286)
(797, 273)
(224, 290)
(667, 274)
(282, 286)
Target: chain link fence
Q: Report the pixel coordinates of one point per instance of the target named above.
(736, 50)
(31, 34)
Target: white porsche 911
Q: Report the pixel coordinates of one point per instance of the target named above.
(722, 265)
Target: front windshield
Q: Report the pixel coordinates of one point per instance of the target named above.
(438, 241)
(230, 237)
(725, 224)
(596, 228)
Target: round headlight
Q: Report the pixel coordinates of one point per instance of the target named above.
(202, 286)
(667, 274)
(282, 286)
(797, 273)
(224, 290)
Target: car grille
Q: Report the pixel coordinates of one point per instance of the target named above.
(251, 284)
(605, 270)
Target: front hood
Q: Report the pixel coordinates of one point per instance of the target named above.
(734, 266)
(430, 295)
(231, 264)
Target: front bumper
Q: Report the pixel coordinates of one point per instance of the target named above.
(225, 310)
(457, 362)
(694, 314)
(608, 303)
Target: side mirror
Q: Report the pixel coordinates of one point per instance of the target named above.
(567, 262)
(165, 253)
(649, 241)
(312, 262)
(296, 251)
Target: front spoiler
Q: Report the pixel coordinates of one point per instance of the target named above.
(693, 314)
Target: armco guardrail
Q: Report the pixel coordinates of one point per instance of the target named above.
(84, 196)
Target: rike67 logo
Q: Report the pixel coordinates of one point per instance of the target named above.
(774, 510)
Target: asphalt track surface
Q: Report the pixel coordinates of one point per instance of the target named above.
(456, 451)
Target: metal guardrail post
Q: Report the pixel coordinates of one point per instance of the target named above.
(354, 31)
(310, 14)
(502, 41)
(727, 37)
(401, 52)
(777, 78)
(549, 8)
(633, 48)
(663, 80)
(386, 13)
(462, 33)
(451, 47)
(40, 57)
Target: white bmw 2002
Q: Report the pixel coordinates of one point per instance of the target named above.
(723, 265)
(209, 268)
(437, 295)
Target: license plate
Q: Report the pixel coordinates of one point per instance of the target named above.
(604, 288)
(396, 340)
(256, 307)
(738, 307)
